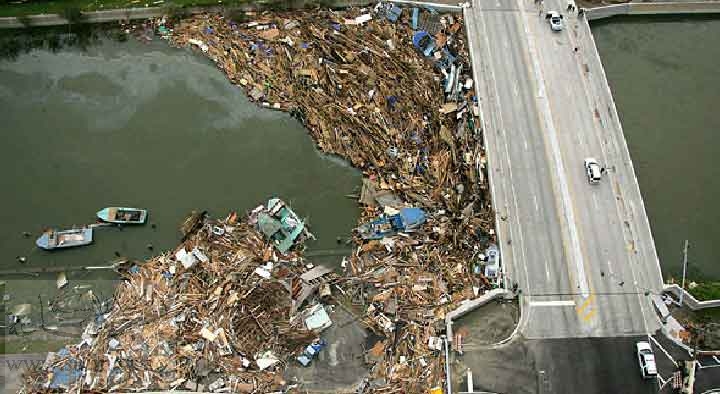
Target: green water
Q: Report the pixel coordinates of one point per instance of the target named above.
(665, 78)
(146, 126)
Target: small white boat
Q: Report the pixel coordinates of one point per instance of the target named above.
(54, 239)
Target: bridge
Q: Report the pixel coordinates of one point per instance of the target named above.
(582, 255)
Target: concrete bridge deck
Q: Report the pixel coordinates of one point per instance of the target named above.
(582, 254)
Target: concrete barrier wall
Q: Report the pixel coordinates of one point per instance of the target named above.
(654, 8)
(469, 306)
(607, 11)
(690, 301)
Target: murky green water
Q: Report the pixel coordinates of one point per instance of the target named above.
(665, 77)
(148, 126)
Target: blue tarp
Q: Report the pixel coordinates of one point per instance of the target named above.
(412, 218)
(394, 13)
(417, 37)
(67, 373)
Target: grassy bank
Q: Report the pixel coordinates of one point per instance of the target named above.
(706, 291)
(73, 8)
(33, 7)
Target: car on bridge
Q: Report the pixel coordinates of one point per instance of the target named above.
(593, 170)
(646, 358)
(555, 19)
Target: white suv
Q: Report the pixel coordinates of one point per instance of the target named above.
(593, 170)
(555, 19)
(646, 358)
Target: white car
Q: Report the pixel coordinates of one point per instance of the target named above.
(555, 19)
(646, 358)
(593, 170)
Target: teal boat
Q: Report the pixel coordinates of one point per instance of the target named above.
(280, 224)
(121, 215)
(54, 239)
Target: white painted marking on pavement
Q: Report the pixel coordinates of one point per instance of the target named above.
(663, 350)
(537, 207)
(553, 303)
(595, 202)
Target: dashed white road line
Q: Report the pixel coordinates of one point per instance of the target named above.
(595, 202)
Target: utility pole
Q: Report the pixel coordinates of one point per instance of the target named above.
(685, 250)
(447, 365)
(42, 316)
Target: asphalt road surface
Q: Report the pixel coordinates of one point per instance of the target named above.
(582, 254)
(558, 366)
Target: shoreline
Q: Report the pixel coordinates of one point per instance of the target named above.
(595, 12)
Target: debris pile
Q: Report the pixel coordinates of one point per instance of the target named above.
(390, 90)
(217, 310)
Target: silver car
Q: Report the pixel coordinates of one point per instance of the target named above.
(555, 19)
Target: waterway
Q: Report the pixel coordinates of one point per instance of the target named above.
(132, 124)
(665, 79)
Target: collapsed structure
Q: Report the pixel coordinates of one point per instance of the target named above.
(388, 89)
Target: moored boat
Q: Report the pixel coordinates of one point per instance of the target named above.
(57, 239)
(122, 215)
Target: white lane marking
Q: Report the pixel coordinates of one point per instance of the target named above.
(610, 268)
(525, 142)
(663, 350)
(547, 270)
(553, 303)
(708, 366)
(595, 202)
(661, 381)
(554, 144)
(537, 207)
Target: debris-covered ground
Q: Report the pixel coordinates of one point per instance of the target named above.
(391, 91)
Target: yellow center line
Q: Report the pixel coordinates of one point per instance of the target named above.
(589, 315)
(585, 304)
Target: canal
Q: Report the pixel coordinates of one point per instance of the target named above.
(144, 125)
(665, 79)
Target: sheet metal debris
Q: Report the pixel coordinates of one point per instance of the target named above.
(213, 321)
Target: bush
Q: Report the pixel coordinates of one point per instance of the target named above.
(706, 291)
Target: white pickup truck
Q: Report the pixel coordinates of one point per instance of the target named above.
(646, 358)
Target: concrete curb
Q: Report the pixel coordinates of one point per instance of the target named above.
(688, 299)
(654, 8)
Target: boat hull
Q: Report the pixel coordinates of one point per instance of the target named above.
(62, 239)
(123, 215)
